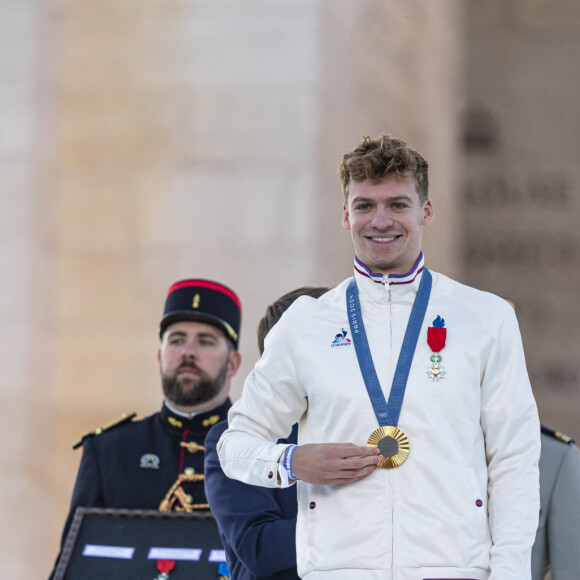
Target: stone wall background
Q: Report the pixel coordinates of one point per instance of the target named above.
(145, 141)
(520, 195)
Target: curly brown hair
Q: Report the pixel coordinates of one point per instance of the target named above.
(378, 158)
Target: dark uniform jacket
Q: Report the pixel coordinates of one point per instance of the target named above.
(257, 525)
(134, 464)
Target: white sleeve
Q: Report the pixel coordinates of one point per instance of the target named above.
(512, 437)
(272, 402)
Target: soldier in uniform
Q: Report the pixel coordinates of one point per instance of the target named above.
(158, 462)
(557, 545)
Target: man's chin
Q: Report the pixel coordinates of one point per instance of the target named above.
(186, 402)
(187, 381)
(185, 399)
(187, 377)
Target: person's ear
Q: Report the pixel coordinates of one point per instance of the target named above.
(234, 363)
(345, 218)
(428, 213)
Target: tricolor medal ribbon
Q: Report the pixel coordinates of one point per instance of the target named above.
(436, 336)
(164, 567)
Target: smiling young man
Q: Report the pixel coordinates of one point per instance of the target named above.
(386, 221)
(158, 462)
(418, 432)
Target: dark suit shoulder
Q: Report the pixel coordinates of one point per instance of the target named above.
(123, 419)
(215, 433)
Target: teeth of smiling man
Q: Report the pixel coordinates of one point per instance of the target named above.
(383, 239)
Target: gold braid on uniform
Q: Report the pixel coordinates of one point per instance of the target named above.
(122, 419)
(562, 437)
(192, 446)
(175, 493)
(557, 435)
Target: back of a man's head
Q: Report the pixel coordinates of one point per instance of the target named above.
(376, 159)
(278, 307)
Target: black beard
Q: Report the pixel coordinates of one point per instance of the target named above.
(205, 389)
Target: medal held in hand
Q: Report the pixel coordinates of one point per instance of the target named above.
(391, 441)
(393, 445)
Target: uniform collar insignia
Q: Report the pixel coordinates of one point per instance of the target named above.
(210, 421)
(199, 422)
(174, 422)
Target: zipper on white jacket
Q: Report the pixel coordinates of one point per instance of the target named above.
(390, 491)
(387, 286)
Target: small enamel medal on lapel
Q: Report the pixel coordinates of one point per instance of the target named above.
(436, 336)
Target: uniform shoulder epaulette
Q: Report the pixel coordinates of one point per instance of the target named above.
(122, 419)
(557, 435)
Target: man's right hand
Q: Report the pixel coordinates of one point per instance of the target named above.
(332, 463)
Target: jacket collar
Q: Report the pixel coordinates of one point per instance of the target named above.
(199, 423)
(374, 285)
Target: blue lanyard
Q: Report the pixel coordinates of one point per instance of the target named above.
(387, 414)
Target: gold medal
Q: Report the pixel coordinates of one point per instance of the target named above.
(393, 444)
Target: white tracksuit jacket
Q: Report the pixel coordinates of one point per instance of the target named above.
(465, 503)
